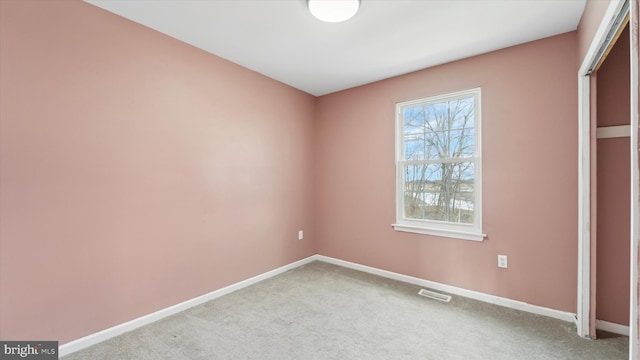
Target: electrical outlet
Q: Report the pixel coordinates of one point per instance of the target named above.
(502, 261)
(300, 235)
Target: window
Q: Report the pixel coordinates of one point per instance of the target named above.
(438, 166)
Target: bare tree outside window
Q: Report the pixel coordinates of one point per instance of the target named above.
(439, 160)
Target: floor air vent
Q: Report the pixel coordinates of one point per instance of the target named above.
(434, 295)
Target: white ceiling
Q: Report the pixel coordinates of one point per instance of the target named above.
(280, 38)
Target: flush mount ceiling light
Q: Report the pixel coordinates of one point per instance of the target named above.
(333, 10)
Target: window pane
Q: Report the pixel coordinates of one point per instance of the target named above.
(441, 192)
(440, 130)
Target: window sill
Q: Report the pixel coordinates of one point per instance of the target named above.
(440, 232)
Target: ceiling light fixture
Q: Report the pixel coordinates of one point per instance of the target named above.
(333, 10)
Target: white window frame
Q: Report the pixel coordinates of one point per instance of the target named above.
(431, 227)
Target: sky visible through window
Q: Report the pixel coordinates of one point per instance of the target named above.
(439, 149)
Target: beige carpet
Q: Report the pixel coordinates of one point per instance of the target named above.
(323, 311)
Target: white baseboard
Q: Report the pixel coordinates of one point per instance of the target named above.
(612, 327)
(509, 303)
(111, 332)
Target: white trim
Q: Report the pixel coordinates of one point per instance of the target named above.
(584, 208)
(114, 331)
(634, 315)
(584, 167)
(440, 228)
(608, 132)
(612, 327)
(440, 232)
(491, 299)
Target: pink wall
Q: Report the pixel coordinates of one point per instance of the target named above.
(613, 84)
(591, 17)
(613, 189)
(529, 112)
(136, 171)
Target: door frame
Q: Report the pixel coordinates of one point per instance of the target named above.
(600, 42)
(634, 316)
